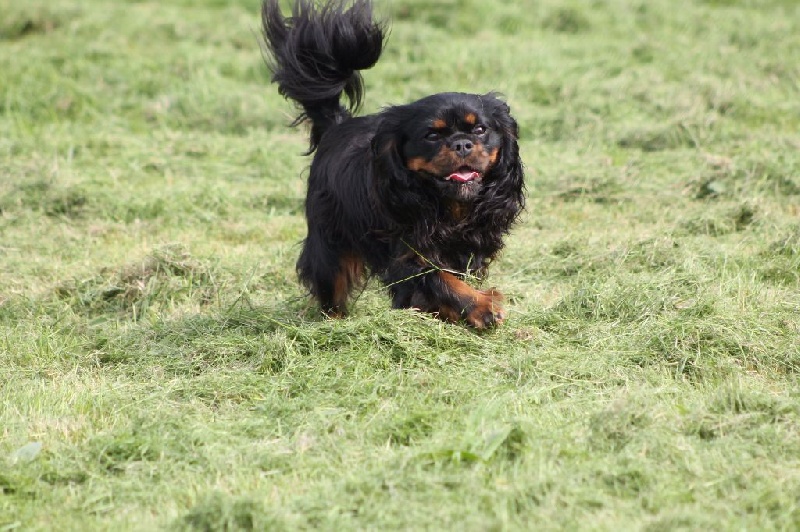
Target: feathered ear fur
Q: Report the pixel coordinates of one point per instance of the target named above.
(509, 169)
(391, 176)
(399, 192)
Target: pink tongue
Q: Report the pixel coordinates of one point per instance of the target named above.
(463, 177)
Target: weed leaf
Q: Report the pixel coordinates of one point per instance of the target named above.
(27, 453)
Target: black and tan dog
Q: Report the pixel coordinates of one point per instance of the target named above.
(419, 194)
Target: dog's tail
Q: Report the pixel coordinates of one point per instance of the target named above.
(315, 56)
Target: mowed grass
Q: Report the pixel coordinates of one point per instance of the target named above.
(160, 367)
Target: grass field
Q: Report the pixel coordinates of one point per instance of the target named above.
(160, 367)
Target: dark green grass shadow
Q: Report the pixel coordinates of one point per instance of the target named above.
(270, 339)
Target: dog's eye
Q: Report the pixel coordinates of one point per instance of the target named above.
(433, 136)
(479, 130)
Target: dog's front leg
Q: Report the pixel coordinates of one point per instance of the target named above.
(442, 293)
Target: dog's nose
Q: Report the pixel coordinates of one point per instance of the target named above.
(462, 147)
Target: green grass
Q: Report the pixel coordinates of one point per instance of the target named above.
(160, 367)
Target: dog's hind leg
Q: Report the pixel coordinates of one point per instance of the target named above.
(329, 273)
(349, 274)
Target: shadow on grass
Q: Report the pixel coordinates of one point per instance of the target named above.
(163, 278)
(24, 20)
(218, 511)
(275, 338)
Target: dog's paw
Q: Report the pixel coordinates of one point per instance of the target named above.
(487, 311)
(335, 313)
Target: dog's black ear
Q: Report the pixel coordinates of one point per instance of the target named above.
(510, 163)
(503, 196)
(386, 156)
(396, 188)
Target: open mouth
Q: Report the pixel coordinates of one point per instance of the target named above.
(465, 174)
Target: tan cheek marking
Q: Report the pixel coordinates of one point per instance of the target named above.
(418, 164)
(480, 157)
(440, 164)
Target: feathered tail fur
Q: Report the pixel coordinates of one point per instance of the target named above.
(315, 56)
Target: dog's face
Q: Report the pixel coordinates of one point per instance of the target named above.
(451, 142)
(450, 146)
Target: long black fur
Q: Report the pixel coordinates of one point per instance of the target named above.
(316, 56)
(366, 208)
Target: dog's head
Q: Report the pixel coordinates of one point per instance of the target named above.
(456, 146)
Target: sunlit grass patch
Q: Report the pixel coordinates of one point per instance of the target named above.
(160, 367)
